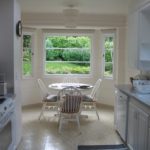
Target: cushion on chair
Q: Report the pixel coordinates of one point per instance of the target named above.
(87, 98)
(51, 98)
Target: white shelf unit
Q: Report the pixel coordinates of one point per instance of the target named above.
(144, 38)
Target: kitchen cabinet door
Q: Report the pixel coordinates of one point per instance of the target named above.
(142, 138)
(132, 121)
(144, 38)
(121, 105)
(149, 139)
(139, 38)
(133, 40)
(137, 128)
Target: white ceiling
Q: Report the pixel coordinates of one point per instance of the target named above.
(84, 6)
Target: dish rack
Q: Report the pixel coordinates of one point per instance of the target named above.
(142, 86)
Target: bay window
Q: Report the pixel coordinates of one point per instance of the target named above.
(67, 54)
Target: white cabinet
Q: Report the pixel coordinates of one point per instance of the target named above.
(137, 138)
(121, 105)
(144, 38)
(139, 38)
(133, 40)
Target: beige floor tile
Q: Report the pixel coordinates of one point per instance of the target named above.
(43, 135)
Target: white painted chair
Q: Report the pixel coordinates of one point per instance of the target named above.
(70, 100)
(89, 101)
(49, 101)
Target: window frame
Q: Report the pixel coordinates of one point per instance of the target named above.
(104, 36)
(69, 33)
(31, 33)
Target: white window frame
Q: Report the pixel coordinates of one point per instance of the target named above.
(46, 33)
(105, 35)
(31, 33)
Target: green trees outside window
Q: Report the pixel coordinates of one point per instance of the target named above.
(27, 55)
(67, 54)
(108, 51)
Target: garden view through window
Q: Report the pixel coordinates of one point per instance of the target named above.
(108, 56)
(27, 55)
(67, 54)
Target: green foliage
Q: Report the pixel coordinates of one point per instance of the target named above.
(109, 45)
(108, 67)
(53, 55)
(66, 55)
(72, 54)
(66, 68)
(76, 55)
(74, 42)
(108, 56)
(27, 41)
(108, 70)
(27, 68)
(27, 55)
(67, 42)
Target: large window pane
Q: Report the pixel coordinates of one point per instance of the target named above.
(67, 55)
(27, 55)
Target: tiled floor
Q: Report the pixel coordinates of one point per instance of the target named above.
(43, 135)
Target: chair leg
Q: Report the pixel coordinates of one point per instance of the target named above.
(78, 123)
(42, 110)
(59, 117)
(60, 124)
(97, 114)
(96, 110)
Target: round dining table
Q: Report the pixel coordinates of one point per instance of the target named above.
(80, 86)
(60, 86)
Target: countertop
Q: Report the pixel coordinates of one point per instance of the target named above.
(130, 91)
(8, 95)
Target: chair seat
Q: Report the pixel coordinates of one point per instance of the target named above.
(87, 98)
(51, 98)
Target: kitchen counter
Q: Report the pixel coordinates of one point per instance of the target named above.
(130, 91)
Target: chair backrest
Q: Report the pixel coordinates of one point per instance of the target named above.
(43, 89)
(70, 100)
(95, 88)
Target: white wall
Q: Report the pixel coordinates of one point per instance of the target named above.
(6, 44)
(10, 48)
(17, 72)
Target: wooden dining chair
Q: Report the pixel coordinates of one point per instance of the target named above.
(89, 101)
(70, 101)
(49, 101)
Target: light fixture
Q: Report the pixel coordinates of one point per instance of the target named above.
(70, 15)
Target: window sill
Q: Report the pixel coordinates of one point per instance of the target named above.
(108, 78)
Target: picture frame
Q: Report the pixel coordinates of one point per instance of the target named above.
(19, 28)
